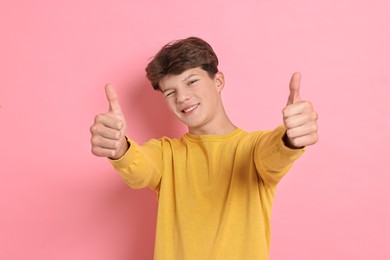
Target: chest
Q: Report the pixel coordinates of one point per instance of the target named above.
(209, 168)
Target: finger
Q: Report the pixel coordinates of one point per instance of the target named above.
(103, 152)
(297, 120)
(295, 84)
(108, 120)
(112, 98)
(305, 140)
(99, 141)
(304, 107)
(106, 132)
(306, 129)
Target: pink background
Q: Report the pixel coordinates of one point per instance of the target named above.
(58, 201)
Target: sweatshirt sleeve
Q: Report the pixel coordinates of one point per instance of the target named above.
(272, 157)
(141, 166)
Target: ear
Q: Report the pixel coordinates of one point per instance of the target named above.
(219, 80)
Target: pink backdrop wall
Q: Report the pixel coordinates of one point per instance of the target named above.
(57, 201)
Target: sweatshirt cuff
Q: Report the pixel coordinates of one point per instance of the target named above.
(285, 150)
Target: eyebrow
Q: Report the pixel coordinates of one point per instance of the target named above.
(194, 74)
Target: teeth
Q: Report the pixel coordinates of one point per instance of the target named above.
(190, 109)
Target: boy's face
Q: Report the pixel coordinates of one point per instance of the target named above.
(195, 98)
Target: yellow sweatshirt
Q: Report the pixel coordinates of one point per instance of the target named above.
(215, 192)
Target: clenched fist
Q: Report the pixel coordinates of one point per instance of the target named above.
(299, 117)
(109, 129)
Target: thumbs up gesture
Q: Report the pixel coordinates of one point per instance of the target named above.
(299, 118)
(109, 129)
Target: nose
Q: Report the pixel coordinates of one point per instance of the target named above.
(182, 95)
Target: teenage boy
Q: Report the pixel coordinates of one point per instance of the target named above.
(216, 183)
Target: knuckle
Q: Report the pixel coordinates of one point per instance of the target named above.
(314, 128)
(309, 104)
(289, 133)
(316, 138)
(98, 118)
(93, 129)
(288, 124)
(295, 142)
(284, 111)
(101, 118)
(285, 122)
(315, 115)
(113, 134)
(117, 135)
(95, 141)
(95, 151)
(100, 142)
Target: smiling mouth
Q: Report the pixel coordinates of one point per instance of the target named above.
(189, 109)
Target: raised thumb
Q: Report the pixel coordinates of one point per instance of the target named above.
(112, 99)
(295, 84)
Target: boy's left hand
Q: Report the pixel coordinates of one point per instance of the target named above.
(299, 117)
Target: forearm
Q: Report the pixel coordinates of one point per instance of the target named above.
(273, 158)
(140, 166)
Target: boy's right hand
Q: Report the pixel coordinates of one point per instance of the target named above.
(108, 132)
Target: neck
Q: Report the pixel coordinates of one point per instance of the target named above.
(221, 126)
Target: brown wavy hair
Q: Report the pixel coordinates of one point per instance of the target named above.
(178, 56)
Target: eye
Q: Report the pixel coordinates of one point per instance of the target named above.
(170, 93)
(191, 82)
